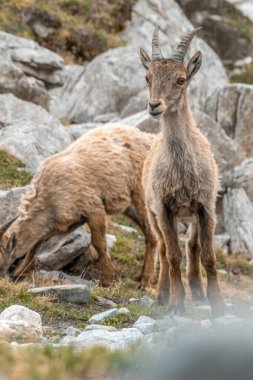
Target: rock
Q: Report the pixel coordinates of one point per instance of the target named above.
(77, 294)
(143, 121)
(146, 300)
(100, 327)
(203, 307)
(113, 340)
(231, 107)
(187, 323)
(42, 23)
(164, 323)
(128, 229)
(9, 202)
(227, 152)
(20, 324)
(238, 216)
(72, 331)
(245, 6)
(228, 319)
(64, 278)
(110, 239)
(77, 130)
(243, 177)
(61, 250)
(120, 74)
(29, 132)
(123, 310)
(100, 317)
(206, 324)
(105, 302)
(106, 117)
(145, 324)
(221, 240)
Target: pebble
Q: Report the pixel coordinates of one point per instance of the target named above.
(100, 317)
(146, 300)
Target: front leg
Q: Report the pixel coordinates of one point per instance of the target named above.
(206, 221)
(168, 226)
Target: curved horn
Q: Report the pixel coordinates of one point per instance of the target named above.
(6, 226)
(156, 50)
(183, 45)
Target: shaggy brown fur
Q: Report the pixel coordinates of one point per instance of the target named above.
(99, 174)
(180, 179)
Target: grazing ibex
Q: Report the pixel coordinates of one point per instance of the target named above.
(180, 178)
(98, 174)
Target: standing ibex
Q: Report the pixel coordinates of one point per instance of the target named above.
(180, 178)
(98, 174)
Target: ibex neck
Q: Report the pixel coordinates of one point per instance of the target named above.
(178, 123)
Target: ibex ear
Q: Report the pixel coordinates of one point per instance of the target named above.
(145, 60)
(12, 242)
(194, 65)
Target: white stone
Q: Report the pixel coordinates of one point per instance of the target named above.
(126, 228)
(146, 325)
(100, 317)
(20, 324)
(111, 239)
(146, 300)
(123, 310)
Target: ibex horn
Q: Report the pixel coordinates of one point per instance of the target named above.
(183, 45)
(6, 226)
(156, 50)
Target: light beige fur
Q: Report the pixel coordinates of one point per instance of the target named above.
(98, 174)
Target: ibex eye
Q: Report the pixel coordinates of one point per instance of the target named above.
(181, 81)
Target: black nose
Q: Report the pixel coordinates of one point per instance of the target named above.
(154, 104)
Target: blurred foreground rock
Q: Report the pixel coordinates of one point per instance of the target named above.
(77, 294)
(20, 324)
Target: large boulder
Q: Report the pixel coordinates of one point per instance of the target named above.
(114, 81)
(227, 152)
(26, 69)
(238, 216)
(232, 107)
(29, 132)
(9, 203)
(243, 177)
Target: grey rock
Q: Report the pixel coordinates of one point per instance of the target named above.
(105, 302)
(128, 229)
(39, 58)
(243, 177)
(146, 300)
(29, 132)
(77, 130)
(238, 216)
(20, 324)
(231, 107)
(227, 152)
(110, 239)
(143, 121)
(77, 294)
(100, 317)
(9, 202)
(145, 324)
(72, 331)
(100, 327)
(56, 276)
(113, 340)
(61, 250)
(123, 310)
(106, 117)
(221, 240)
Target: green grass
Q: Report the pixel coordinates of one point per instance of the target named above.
(12, 172)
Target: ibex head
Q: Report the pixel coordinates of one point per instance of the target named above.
(8, 242)
(168, 78)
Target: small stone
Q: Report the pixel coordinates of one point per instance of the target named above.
(76, 294)
(128, 229)
(110, 239)
(105, 302)
(72, 331)
(203, 307)
(145, 324)
(100, 317)
(123, 310)
(222, 271)
(146, 300)
(131, 300)
(100, 327)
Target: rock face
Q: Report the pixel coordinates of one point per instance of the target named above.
(227, 152)
(29, 132)
(238, 216)
(231, 107)
(9, 202)
(243, 177)
(20, 324)
(26, 68)
(114, 81)
(77, 294)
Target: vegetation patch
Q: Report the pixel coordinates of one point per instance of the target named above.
(12, 172)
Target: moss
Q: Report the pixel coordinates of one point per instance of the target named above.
(12, 172)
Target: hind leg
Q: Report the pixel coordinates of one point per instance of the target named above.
(137, 212)
(97, 225)
(193, 253)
